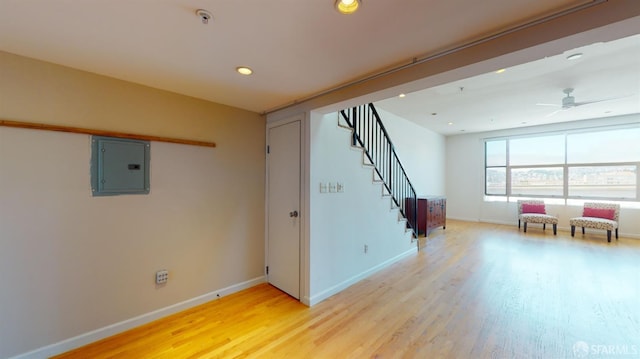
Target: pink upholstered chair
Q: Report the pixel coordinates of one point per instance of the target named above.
(599, 216)
(534, 211)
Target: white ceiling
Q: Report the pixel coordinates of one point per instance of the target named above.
(606, 71)
(299, 48)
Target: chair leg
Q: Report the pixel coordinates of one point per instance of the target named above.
(518, 224)
(609, 235)
(616, 233)
(525, 227)
(555, 229)
(544, 226)
(582, 230)
(573, 230)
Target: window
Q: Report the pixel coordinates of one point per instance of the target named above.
(603, 181)
(620, 145)
(539, 181)
(545, 150)
(596, 164)
(496, 169)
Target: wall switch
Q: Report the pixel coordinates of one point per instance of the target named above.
(323, 187)
(162, 276)
(340, 187)
(332, 187)
(366, 249)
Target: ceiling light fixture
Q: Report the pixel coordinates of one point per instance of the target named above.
(574, 56)
(402, 95)
(243, 70)
(347, 6)
(501, 71)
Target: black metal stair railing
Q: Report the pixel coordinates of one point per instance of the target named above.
(370, 134)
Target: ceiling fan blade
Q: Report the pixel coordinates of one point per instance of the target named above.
(602, 100)
(554, 112)
(576, 104)
(548, 104)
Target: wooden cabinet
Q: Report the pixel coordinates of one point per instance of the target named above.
(436, 208)
(432, 213)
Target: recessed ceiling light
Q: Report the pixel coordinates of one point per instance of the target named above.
(347, 6)
(501, 71)
(574, 56)
(243, 70)
(402, 95)
(450, 123)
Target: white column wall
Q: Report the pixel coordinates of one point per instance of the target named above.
(341, 224)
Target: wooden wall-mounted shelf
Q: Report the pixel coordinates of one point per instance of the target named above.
(86, 131)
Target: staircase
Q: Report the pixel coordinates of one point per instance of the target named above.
(369, 133)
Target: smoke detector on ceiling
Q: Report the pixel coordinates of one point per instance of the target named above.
(204, 15)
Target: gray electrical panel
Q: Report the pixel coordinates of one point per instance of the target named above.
(119, 166)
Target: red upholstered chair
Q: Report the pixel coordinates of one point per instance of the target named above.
(599, 216)
(534, 211)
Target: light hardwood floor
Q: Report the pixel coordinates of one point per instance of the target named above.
(475, 291)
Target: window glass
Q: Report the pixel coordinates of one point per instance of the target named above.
(496, 153)
(539, 181)
(603, 181)
(621, 145)
(599, 164)
(542, 150)
(496, 181)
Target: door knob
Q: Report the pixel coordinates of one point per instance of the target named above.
(293, 214)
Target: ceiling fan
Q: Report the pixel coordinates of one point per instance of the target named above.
(569, 102)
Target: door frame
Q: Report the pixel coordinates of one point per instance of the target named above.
(304, 207)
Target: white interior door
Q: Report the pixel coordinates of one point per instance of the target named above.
(283, 196)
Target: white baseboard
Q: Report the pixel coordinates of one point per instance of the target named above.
(95, 335)
(464, 219)
(560, 228)
(313, 300)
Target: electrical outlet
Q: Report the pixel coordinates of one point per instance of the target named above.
(162, 276)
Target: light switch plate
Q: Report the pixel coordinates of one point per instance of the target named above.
(332, 187)
(340, 187)
(323, 187)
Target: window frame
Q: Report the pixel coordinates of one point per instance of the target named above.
(565, 166)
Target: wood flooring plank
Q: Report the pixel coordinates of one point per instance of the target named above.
(474, 291)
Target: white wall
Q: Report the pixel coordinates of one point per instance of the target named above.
(465, 180)
(71, 263)
(341, 224)
(421, 152)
